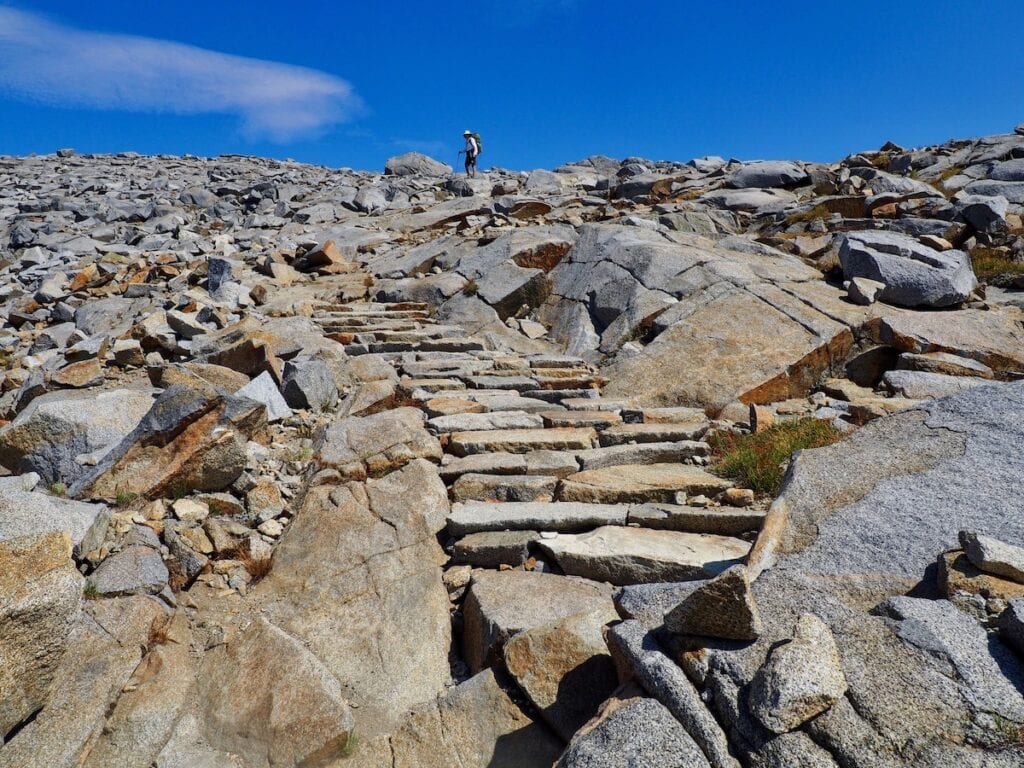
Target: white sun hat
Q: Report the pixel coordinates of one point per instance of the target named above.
(467, 132)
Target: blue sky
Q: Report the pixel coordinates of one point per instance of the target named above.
(545, 81)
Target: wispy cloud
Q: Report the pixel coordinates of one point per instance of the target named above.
(54, 64)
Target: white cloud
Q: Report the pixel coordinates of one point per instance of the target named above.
(46, 62)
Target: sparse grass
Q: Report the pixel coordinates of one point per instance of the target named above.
(950, 172)
(470, 288)
(178, 490)
(257, 568)
(815, 213)
(880, 160)
(58, 489)
(305, 453)
(350, 746)
(89, 591)
(757, 461)
(125, 498)
(990, 265)
(159, 632)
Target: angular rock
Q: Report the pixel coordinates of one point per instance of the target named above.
(40, 597)
(56, 429)
(368, 446)
(564, 668)
(800, 680)
(293, 711)
(638, 654)
(135, 570)
(190, 439)
(29, 513)
(635, 732)
(914, 274)
(309, 384)
(501, 604)
(994, 556)
(490, 549)
(263, 390)
(722, 608)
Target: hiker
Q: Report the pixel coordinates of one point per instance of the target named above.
(472, 150)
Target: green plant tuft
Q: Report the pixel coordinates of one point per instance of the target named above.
(89, 591)
(58, 489)
(757, 461)
(470, 288)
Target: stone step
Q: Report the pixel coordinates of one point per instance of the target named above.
(434, 345)
(567, 418)
(571, 383)
(522, 441)
(502, 400)
(491, 549)
(652, 433)
(594, 402)
(415, 314)
(431, 385)
(620, 555)
(518, 383)
(503, 488)
(444, 368)
(642, 453)
(472, 517)
(659, 483)
(553, 463)
(726, 521)
(473, 422)
(674, 415)
(556, 361)
(561, 395)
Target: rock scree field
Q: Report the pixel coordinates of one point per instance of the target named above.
(629, 463)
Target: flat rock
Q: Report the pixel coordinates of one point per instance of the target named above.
(639, 483)
(638, 555)
(495, 488)
(470, 517)
(922, 385)
(501, 604)
(643, 453)
(663, 432)
(489, 549)
(913, 274)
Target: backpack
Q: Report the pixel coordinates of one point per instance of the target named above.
(479, 143)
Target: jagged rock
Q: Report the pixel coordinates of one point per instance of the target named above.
(190, 439)
(638, 654)
(59, 429)
(1011, 625)
(914, 275)
(263, 390)
(865, 291)
(801, 678)
(40, 597)
(292, 712)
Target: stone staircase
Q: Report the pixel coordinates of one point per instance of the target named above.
(544, 473)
